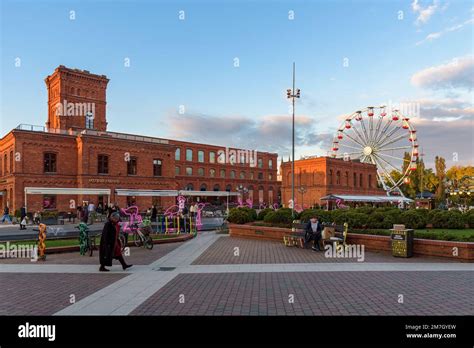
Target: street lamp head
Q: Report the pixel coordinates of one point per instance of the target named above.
(298, 92)
(288, 93)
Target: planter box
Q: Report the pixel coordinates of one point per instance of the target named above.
(425, 247)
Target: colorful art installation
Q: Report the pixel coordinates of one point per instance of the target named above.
(134, 218)
(297, 207)
(42, 242)
(241, 204)
(200, 207)
(340, 204)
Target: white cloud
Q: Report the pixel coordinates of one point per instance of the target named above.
(424, 13)
(458, 73)
(433, 36)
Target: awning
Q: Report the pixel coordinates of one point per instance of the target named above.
(374, 199)
(172, 193)
(146, 193)
(208, 193)
(66, 191)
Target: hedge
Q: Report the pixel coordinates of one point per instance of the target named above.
(280, 216)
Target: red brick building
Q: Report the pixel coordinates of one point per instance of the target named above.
(75, 150)
(322, 176)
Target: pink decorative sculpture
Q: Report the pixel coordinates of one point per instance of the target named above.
(200, 207)
(134, 217)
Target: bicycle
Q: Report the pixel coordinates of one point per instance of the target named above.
(87, 242)
(142, 235)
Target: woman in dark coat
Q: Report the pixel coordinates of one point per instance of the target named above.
(110, 244)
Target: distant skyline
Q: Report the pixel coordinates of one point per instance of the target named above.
(217, 71)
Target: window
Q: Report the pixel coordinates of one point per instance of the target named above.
(177, 170)
(232, 174)
(346, 178)
(132, 166)
(338, 177)
(212, 173)
(5, 171)
(189, 155)
(252, 176)
(103, 164)
(260, 163)
(361, 180)
(49, 202)
(228, 188)
(330, 177)
(189, 187)
(212, 157)
(201, 171)
(242, 175)
(370, 181)
(89, 120)
(11, 161)
(49, 162)
(189, 171)
(201, 156)
(355, 179)
(203, 187)
(270, 164)
(222, 173)
(157, 167)
(270, 176)
(217, 187)
(260, 176)
(177, 154)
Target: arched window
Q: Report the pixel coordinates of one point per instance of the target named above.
(260, 194)
(11, 161)
(270, 195)
(232, 174)
(222, 173)
(338, 177)
(260, 163)
(177, 154)
(355, 179)
(242, 175)
(330, 176)
(201, 171)
(270, 164)
(217, 187)
(5, 163)
(346, 178)
(361, 180)
(203, 187)
(228, 188)
(189, 187)
(212, 172)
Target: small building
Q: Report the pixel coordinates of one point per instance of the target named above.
(317, 177)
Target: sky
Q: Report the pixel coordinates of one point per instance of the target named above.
(217, 71)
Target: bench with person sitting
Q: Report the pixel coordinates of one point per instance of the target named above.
(317, 232)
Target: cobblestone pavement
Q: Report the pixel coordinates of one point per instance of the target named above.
(138, 256)
(261, 252)
(45, 294)
(315, 293)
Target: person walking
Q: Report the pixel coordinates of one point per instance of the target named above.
(85, 214)
(110, 247)
(6, 215)
(23, 217)
(91, 211)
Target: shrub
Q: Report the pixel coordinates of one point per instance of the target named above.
(469, 218)
(323, 215)
(263, 212)
(238, 216)
(415, 219)
(446, 219)
(252, 213)
(280, 216)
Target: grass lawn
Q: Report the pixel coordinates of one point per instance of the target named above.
(465, 235)
(75, 241)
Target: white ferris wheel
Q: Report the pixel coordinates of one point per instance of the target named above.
(372, 136)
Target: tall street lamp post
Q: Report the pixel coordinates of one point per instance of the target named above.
(292, 94)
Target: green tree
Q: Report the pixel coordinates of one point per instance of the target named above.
(440, 165)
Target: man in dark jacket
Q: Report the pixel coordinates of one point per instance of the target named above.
(23, 217)
(110, 247)
(313, 231)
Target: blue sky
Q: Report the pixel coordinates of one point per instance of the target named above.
(190, 62)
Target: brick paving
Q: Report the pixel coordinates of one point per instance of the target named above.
(138, 256)
(45, 294)
(259, 252)
(315, 293)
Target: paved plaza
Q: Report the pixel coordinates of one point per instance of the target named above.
(214, 274)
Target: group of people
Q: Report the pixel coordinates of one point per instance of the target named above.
(6, 216)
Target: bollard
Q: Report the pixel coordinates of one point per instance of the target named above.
(179, 220)
(42, 242)
(82, 238)
(166, 224)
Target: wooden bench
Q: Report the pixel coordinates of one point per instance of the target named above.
(335, 235)
(296, 237)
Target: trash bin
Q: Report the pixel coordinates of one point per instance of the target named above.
(402, 241)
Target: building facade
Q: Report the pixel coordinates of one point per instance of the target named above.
(317, 177)
(76, 150)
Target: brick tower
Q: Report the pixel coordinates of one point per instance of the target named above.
(76, 100)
